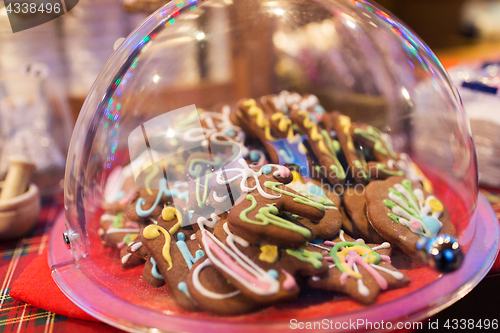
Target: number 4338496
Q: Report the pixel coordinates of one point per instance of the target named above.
(33, 8)
(470, 324)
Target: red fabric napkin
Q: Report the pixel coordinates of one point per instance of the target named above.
(36, 286)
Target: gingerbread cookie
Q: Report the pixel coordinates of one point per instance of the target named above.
(401, 212)
(355, 206)
(263, 195)
(253, 120)
(379, 149)
(341, 124)
(214, 293)
(360, 270)
(323, 194)
(325, 149)
(174, 256)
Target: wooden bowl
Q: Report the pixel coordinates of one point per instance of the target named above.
(18, 215)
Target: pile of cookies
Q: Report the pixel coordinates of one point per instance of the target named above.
(253, 226)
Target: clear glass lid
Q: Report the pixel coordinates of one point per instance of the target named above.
(237, 143)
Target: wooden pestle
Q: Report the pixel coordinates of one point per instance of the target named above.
(18, 176)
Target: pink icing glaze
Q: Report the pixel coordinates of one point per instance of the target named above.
(289, 282)
(233, 265)
(131, 224)
(415, 224)
(353, 257)
(360, 240)
(329, 243)
(385, 258)
(120, 245)
(328, 258)
(284, 172)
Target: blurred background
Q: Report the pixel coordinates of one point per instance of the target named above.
(47, 71)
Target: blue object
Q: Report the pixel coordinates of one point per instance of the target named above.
(272, 273)
(254, 156)
(432, 224)
(441, 252)
(266, 169)
(474, 85)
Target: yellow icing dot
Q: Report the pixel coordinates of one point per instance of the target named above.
(133, 237)
(436, 205)
(296, 176)
(168, 213)
(269, 253)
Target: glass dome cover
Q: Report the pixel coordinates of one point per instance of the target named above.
(213, 107)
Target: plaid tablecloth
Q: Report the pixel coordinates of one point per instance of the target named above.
(16, 316)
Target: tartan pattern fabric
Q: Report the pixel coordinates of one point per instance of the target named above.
(17, 316)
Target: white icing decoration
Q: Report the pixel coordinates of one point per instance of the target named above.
(202, 290)
(341, 235)
(209, 223)
(125, 230)
(220, 199)
(362, 289)
(135, 247)
(126, 257)
(396, 275)
(108, 217)
(192, 237)
(384, 245)
(242, 260)
(245, 173)
(320, 247)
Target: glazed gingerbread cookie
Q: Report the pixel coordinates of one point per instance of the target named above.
(341, 124)
(359, 270)
(323, 194)
(174, 255)
(264, 273)
(253, 120)
(212, 292)
(384, 157)
(401, 212)
(325, 149)
(262, 196)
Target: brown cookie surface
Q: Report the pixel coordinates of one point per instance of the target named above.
(355, 206)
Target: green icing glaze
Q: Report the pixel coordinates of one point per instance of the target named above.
(117, 220)
(393, 217)
(267, 215)
(314, 258)
(383, 168)
(318, 170)
(373, 134)
(196, 170)
(127, 239)
(334, 147)
(340, 245)
(360, 167)
(202, 200)
(297, 198)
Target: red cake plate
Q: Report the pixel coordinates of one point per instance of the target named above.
(100, 287)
